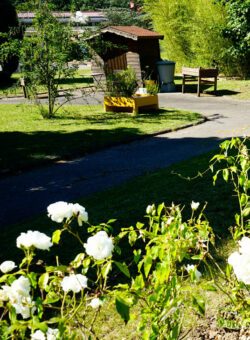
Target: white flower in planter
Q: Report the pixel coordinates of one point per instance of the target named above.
(195, 205)
(95, 303)
(7, 266)
(241, 261)
(34, 239)
(74, 283)
(100, 246)
(59, 211)
(80, 212)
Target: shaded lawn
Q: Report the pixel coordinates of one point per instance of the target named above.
(127, 204)
(76, 130)
(12, 87)
(239, 89)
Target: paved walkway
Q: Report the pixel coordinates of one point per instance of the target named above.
(31, 192)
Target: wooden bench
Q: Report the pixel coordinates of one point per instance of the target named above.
(190, 74)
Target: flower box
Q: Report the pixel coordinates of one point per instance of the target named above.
(132, 104)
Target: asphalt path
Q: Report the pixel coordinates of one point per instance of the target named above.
(29, 193)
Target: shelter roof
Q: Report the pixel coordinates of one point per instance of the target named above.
(133, 32)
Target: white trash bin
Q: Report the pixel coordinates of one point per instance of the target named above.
(166, 74)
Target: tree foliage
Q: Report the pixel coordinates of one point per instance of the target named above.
(126, 17)
(8, 28)
(237, 30)
(192, 30)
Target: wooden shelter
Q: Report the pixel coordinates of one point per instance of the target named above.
(125, 46)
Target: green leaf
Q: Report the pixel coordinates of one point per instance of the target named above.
(32, 278)
(132, 237)
(160, 208)
(147, 265)
(137, 255)
(199, 304)
(215, 178)
(197, 257)
(138, 282)
(210, 288)
(39, 306)
(242, 180)
(56, 268)
(106, 269)
(56, 236)
(225, 174)
(237, 219)
(123, 268)
(43, 280)
(246, 211)
(51, 298)
(243, 199)
(122, 308)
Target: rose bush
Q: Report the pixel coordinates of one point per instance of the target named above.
(38, 301)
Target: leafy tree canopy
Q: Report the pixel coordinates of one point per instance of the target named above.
(75, 5)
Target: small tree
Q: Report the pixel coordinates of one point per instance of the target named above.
(44, 56)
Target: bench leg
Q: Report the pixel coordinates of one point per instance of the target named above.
(183, 84)
(199, 87)
(215, 85)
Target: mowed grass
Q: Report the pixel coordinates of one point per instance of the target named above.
(12, 88)
(27, 139)
(238, 89)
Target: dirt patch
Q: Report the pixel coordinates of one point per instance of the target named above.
(210, 331)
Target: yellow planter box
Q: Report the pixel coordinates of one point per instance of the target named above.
(133, 104)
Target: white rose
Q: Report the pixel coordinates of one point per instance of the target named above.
(7, 266)
(21, 286)
(80, 213)
(59, 211)
(34, 239)
(95, 303)
(241, 262)
(38, 335)
(18, 295)
(52, 334)
(100, 246)
(195, 205)
(150, 210)
(74, 283)
(245, 245)
(3, 295)
(191, 268)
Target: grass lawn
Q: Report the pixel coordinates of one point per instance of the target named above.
(239, 89)
(10, 89)
(127, 204)
(29, 139)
